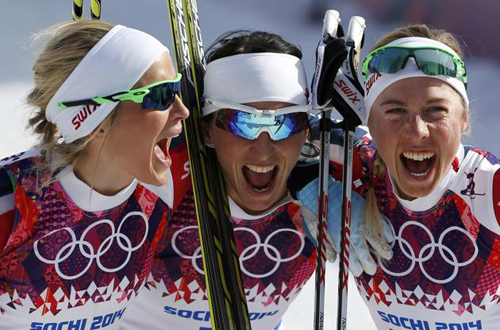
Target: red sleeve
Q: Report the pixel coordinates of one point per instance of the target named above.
(338, 169)
(180, 173)
(6, 223)
(496, 195)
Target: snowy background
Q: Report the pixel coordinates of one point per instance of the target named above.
(293, 19)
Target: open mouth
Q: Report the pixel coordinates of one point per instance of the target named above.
(418, 164)
(161, 150)
(260, 178)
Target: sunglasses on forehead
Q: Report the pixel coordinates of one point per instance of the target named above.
(156, 96)
(248, 122)
(429, 60)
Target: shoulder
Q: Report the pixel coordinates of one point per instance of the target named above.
(24, 160)
(478, 183)
(7, 202)
(8, 166)
(478, 164)
(479, 155)
(496, 195)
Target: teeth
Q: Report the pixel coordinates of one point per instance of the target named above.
(261, 190)
(419, 175)
(159, 152)
(260, 169)
(418, 156)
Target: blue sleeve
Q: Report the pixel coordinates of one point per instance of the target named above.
(308, 196)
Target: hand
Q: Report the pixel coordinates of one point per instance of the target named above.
(360, 258)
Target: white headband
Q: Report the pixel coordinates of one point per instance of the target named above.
(255, 77)
(113, 65)
(378, 82)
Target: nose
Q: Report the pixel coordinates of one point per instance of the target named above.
(418, 127)
(263, 145)
(179, 110)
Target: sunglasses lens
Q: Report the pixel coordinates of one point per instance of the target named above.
(289, 124)
(248, 126)
(161, 97)
(434, 62)
(389, 60)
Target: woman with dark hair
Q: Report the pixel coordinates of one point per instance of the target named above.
(256, 117)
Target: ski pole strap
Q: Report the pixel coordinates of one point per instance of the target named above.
(348, 93)
(330, 55)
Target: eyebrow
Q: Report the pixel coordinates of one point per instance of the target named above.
(398, 102)
(438, 99)
(392, 102)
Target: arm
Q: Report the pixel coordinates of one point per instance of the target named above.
(360, 257)
(6, 208)
(496, 195)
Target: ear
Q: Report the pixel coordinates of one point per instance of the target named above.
(102, 130)
(308, 133)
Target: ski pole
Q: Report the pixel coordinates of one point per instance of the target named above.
(77, 10)
(330, 26)
(336, 84)
(95, 9)
(353, 114)
(226, 295)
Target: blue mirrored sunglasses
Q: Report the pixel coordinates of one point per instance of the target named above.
(250, 126)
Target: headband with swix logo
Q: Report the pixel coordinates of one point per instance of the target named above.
(114, 64)
(408, 58)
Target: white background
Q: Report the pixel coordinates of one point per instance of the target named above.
(290, 18)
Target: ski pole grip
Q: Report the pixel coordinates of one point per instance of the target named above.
(355, 31)
(331, 23)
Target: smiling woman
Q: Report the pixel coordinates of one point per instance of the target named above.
(255, 159)
(442, 198)
(76, 212)
(256, 118)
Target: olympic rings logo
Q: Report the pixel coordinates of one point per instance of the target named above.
(197, 253)
(87, 250)
(249, 252)
(427, 252)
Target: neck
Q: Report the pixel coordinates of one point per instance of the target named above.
(99, 171)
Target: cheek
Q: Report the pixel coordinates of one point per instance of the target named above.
(383, 138)
(449, 131)
(387, 145)
(448, 136)
(291, 147)
(228, 148)
(136, 134)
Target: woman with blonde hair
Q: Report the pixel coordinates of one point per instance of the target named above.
(80, 213)
(441, 197)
